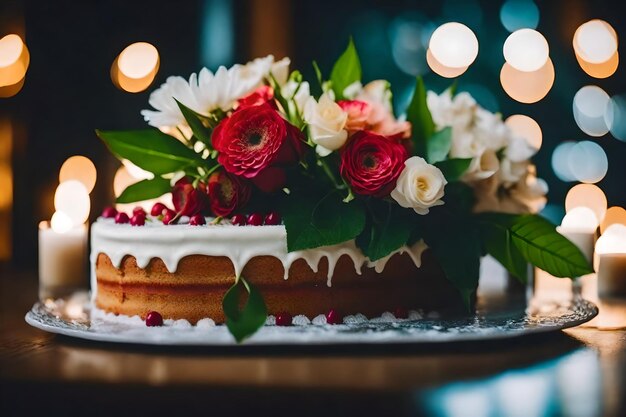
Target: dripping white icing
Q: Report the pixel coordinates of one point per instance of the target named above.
(240, 244)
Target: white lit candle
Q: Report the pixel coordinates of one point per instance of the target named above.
(579, 225)
(63, 242)
(611, 250)
(62, 256)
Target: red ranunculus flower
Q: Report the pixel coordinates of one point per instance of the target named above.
(262, 95)
(371, 163)
(227, 193)
(254, 138)
(187, 199)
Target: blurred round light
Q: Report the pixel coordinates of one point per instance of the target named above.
(526, 50)
(590, 104)
(135, 67)
(588, 162)
(454, 45)
(602, 70)
(81, 169)
(595, 41)
(406, 33)
(14, 61)
(527, 128)
(11, 90)
(615, 117)
(560, 161)
(614, 215)
(61, 222)
(586, 195)
(613, 240)
(71, 197)
(442, 70)
(580, 218)
(527, 87)
(138, 60)
(6, 185)
(519, 14)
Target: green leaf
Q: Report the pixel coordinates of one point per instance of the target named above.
(346, 70)
(455, 243)
(386, 229)
(454, 87)
(313, 219)
(145, 190)
(200, 131)
(245, 322)
(498, 242)
(453, 169)
(541, 245)
(422, 125)
(438, 145)
(150, 149)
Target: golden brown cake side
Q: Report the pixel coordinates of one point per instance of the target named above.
(196, 288)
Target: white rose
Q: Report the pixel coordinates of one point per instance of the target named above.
(326, 122)
(490, 130)
(511, 172)
(420, 185)
(465, 144)
(518, 149)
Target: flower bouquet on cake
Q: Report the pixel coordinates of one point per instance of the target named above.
(332, 165)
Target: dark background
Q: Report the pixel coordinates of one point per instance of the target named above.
(68, 90)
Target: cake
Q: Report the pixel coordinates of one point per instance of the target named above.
(315, 202)
(183, 272)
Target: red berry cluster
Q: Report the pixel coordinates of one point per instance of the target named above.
(256, 219)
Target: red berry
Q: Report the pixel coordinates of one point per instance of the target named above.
(109, 212)
(283, 319)
(157, 209)
(139, 210)
(332, 317)
(121, 218)
(169, 217)
(401, 313)
(272, 219)
(197, 220)
(255, 219)
(153, 319)
(138, 220)
(239, 220)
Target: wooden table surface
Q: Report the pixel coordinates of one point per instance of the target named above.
(578, 372)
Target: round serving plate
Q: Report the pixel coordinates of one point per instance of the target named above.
(73, 317)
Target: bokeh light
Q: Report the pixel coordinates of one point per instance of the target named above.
(61, 222)
(614, 215)
(14, 60)
(407, 48)
(560, 161)
(71, 197)
(602, 70)
(81, 169)
(582, 218)
(587, 195)
(442, 70)
(589, 106)
(615, 117)
(135, 67)
(526, 50)
(527, 87)
(519, 14)
(595, 41)
(454, 45)
(613, 240)
(527, 128)
(588, 162)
